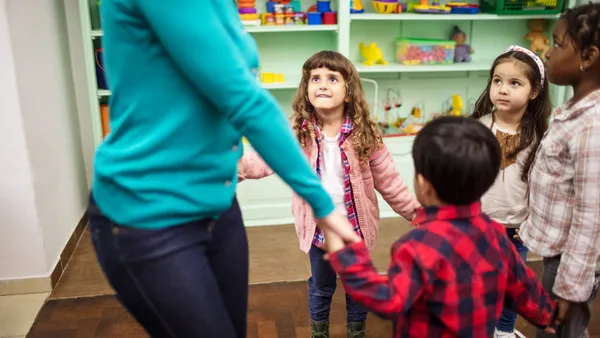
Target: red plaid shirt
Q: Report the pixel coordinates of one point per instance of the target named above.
(345, 131)
(449, 277)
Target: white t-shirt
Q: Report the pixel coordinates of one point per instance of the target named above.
(332, 171)
(506, 201)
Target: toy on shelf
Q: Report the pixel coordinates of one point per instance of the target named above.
(539, 41)
(435, 8)
(462, 51)
(269, 77)
(393, 102)
(415, 121)
(372, 54)
(424, 51)
(463, 8)
(283, 12)
(385, 6)
(356, 6)
(248, 13)
(321, 14)
(453, 106)
(402, 7)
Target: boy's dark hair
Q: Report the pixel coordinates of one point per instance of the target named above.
(583, 26)
(535, 120)
(459, 156)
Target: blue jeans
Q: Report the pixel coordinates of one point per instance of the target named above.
(508, 318)
(189, 280)
(322, 285)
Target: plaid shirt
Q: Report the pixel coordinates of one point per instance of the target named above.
(319, 239)
(449, 277)
(564, 199)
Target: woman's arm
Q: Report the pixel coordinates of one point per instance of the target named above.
(199, 38)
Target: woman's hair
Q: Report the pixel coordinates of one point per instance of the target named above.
(365, 136)
(535, 120)
(583, 26)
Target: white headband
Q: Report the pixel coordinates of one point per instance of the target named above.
(532, 55)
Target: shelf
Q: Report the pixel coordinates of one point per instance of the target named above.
(451, 17)
(398, 68)
(284, 85)
(291, 28)
(266, 29)
(270, 86)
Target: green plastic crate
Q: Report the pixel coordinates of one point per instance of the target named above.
(522, 7)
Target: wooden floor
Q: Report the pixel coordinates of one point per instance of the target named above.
(83, 304)
(277, 310)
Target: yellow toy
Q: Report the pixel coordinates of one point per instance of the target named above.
(383, 7)
(456, 105)
(372, 54)
(356, 6)
(268, 77)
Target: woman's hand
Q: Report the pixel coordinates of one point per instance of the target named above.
(339, 225)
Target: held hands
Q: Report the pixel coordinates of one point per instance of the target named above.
(562, 309)
(516, 236)
(338, 231)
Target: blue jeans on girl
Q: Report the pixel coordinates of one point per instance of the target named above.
(322, 285)
(507, 320)
(189, 280)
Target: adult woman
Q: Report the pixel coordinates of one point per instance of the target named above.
(165, 222)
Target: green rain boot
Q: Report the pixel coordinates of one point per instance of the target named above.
(320, 329)
(357, 330)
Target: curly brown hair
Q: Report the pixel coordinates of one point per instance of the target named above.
(365, 137)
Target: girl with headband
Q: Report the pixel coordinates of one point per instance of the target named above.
(515, 106)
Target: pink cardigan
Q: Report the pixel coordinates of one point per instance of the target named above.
(380, 174)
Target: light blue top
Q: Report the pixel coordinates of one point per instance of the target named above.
(184, 91)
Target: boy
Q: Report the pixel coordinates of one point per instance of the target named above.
(451, 275)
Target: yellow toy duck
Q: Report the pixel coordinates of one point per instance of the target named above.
(372, 54)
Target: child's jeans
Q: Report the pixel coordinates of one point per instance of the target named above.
(579, 314)
(508, 318)
(321, 286)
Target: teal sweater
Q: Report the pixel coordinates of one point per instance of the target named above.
(183, 78)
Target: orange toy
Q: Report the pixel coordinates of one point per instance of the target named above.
(539, 41)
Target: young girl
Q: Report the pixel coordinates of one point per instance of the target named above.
(333, 125)
(564, 217)
(515, 106)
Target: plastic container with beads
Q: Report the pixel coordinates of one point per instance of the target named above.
(424, 51)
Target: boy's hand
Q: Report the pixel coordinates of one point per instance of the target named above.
(560, 315)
